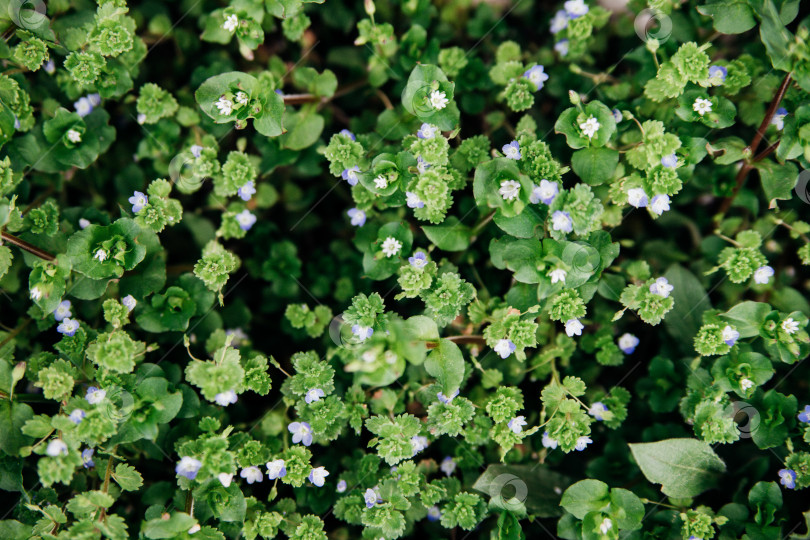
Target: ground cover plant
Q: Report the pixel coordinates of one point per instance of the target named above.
(402, 269)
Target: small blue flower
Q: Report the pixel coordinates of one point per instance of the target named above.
(357, 216)
(730, 335)
(778, 119)
(252, 474)
(62, 311)
(348, 133)
(412, 200)
(318, 476)
(138, 201)
(512, 150)
(94, 99)
(582, 443)
(68, 327)
(446, 399)
(537, 76)
(427, 131)
(545, 192)
(129, 302)
(94, 395)
(341, 486)
(314, 394)
(87, 458)
(276, 469)
(787, 477)
(370, 496)
(247, 191)
(548, 442)
(561, 221)
(196, 150)
(516, 424)
(77, 415)
(188, 467)
(575, 8)
(362, 332)
(617, 115)
(559, 22)
(434, 514)
(83, 107)
(763, 274)
(245, 219)
(718, 72)
(448, 466)
(670, 161)
(350, 175)
(598, 410)
(223, 399)
(804, 416)
(301, 433)
(419, 442)
(504, 348)
(562, 47)
(419, 260)
(628, 343)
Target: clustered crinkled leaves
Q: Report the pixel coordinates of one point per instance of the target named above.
(556, 286)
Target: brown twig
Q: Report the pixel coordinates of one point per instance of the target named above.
(22, 244)
(299, 99)
(746, 167)
(461, 340)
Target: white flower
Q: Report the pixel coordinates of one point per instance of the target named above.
(605, 526)
(637, 197)
(509, 190)
(558, 274)
(56, 447)
(659, 204)
(790, 326)
(544, 193)
(381, 182)
(598, 410)
(582, 442)
(252, 474)
(241, 98)
(100, 255)
(195, 528)
(225, 479)
(276, 469)
(231, 21)
(763, 274)
(188, 467)
(84, 223)
(318, 476)
(561, 221)
(224, 399)
(448, 466)
(746, 383)
(573, 327)
(575, 8)
(628, 343)
(438, 100)
(548, 442)
(74, 136)
(516, 424)
(141, 118)
(36, 292)
(412, 200)
(224, 105)
(391, 246)
(702, 106)
(418, 443)
(559, 22)
(661, 287)
(94, 395)
(590, 127)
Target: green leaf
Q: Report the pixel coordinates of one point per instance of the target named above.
(747, 317)
(684, 467)
(13, 416)
(127, 477)
(177, 524)
(530, 486)
(304, 129)
(451, 235)
(595, 165)
(586, 496)
(777, 180)
(729, 16)
(691, 300)
(424, 79)
(446, 364)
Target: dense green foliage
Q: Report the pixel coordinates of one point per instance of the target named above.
(387, 269)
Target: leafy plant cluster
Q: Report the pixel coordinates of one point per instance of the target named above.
(309, 270)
